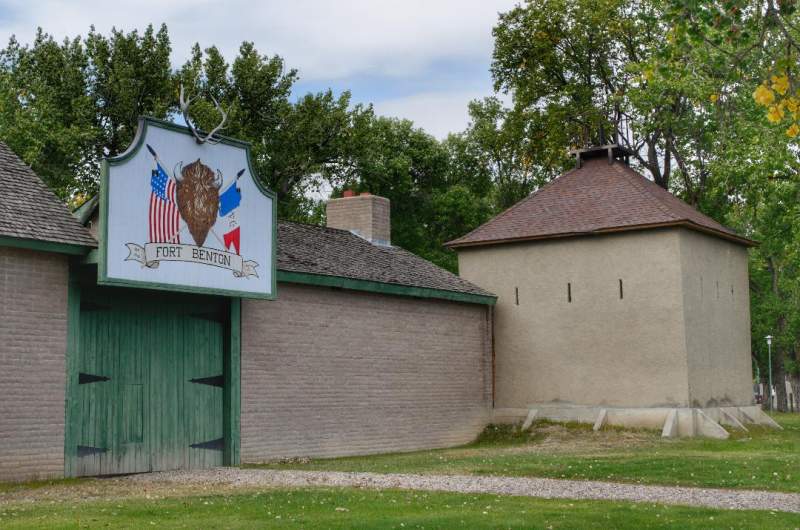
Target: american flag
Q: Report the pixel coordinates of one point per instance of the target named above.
(164, 217)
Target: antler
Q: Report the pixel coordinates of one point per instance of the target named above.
(209, 138)
(221, 124)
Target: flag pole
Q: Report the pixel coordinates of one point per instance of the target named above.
(155, 155)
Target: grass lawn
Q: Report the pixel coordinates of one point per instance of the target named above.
(353, 508)
(760, 459)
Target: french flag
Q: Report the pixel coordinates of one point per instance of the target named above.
(229, 201)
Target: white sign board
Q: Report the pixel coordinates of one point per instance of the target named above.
(186, 216)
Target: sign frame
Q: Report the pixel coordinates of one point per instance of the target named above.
(138, 142)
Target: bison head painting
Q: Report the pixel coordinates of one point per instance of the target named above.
(197, 194)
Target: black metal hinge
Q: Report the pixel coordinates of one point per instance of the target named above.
(87, 450)
(217, 445)
(84, 379)
(215, 380)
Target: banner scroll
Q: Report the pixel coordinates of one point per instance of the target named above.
(151, 254)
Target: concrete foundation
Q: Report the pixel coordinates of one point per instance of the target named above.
(672, 422)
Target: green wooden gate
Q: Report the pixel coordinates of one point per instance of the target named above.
(148, 388)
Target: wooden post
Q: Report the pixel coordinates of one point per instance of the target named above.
(232, 398)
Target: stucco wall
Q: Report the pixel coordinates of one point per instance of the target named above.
(717, 319)
(598, 349)
(33, 345)
(330, 372)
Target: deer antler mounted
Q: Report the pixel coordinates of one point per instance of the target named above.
(209, 138)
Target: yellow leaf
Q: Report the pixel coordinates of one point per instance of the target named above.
(780, 84)
(775, 114)
(763, 95)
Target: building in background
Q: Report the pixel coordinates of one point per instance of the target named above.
(617, 303)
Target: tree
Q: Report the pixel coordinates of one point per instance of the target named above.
(586, 72)
(493, 154)
(65, 106)
(745, 32)
(293, 144)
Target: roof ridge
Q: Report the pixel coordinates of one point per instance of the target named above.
(643, 189)
(513, 207)
(320, 227)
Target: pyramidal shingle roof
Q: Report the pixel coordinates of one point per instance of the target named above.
(29, 210)
(596, 198)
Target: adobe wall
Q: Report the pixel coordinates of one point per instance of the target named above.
(598, 348)
(717, 320)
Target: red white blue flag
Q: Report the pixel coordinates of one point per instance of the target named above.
(229, 201)
(164, 216)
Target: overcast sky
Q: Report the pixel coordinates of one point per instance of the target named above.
(415, 59)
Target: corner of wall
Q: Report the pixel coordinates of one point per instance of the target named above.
(682, 256)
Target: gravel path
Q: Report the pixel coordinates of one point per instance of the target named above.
(530, 487)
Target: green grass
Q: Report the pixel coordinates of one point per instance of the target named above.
(352, 508)
(760, 459)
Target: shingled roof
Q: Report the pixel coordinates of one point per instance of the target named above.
(596, 198)
(317, 250)
(30, 211)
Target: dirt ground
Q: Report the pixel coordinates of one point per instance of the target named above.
(90, 489)
(556, 438)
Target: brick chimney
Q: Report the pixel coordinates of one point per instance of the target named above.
(365, 215)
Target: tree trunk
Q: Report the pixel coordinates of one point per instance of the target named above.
(795, 404)
(779, 381)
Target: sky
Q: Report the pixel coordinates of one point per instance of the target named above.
(414, 59)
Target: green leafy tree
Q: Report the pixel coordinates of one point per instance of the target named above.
(65, 106)
(567, 65)
(745, 31)
(494, 154)
(293, 144)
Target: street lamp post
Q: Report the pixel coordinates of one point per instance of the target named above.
(769, 360)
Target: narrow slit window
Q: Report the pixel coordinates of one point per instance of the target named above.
(569, 292)
(516, 295)
(621, 293)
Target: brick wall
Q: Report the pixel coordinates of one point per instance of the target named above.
(329, 372)
(33, 343)
(369, 216)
